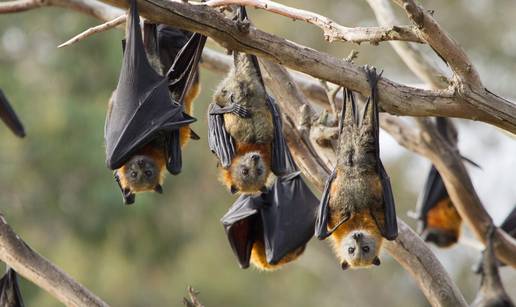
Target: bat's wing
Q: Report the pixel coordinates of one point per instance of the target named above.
(281, 160)
(509, 224)
(10, 295)
(243, 226)
(386, 218)
(219, 140)
(184, 69)
(288, 216)
(433, 191)
(141, 107)
(170, 41)
(9, 117)
(321, 226)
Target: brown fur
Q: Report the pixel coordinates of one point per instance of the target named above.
(358, 221)
(445, 217)
(158, 156)
(265, 151)
(259, 259)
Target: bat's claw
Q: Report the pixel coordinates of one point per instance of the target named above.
(241, 111)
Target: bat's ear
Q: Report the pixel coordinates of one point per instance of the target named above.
(344, 265)
(376, 261)
(128, 196)
(158, 189)
(233, 189)
(348, 113)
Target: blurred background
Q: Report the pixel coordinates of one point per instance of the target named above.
(57, 193)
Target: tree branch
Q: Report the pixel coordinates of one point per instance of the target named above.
(98, 29)
(18, 255)
(332, 30)
(397, 99)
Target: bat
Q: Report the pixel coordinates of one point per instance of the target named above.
(146, 112)
(9, 117)
(357, 207)
(439, 221)
(269, 224)
(10, 295)
(492, 292)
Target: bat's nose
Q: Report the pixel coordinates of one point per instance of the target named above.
(357, 236)
(255, 158)
(140, 162)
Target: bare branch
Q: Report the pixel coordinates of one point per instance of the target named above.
(332, 30)
(94, 30)
(20, 6)
(18, 255)
(192, 301)
(397, 99)
(442, 43)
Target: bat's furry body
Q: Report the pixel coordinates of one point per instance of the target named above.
(253, 135)
(357, 207)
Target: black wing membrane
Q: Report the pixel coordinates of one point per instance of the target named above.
(142, 107)
(321, 226)
(9, 117)
(242, 226)
(10, 295)
(219, 140)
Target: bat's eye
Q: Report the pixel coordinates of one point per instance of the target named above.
(245, 171)
(148, 173)
(365, 249)
(133, 174)
(351, 250)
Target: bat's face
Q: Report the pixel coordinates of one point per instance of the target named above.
(249, 173)
(360, 249)
(443, 224)
(142, 174)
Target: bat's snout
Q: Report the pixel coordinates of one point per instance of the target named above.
(357, 236)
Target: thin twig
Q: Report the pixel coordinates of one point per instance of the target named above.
(332, 30)
(94, 30)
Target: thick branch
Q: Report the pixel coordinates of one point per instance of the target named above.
(18, 255)
(397, 99)
(332, 30)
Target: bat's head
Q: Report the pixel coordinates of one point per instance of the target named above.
(249, 173)
(440, 237)
(443, 224)
(360, 249)
(140, 174)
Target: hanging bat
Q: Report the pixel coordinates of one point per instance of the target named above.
(357, 206)
(492, 292)
(142, 124)
(439, 221)
(269, 224)
(10, 295)
(9, 117)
